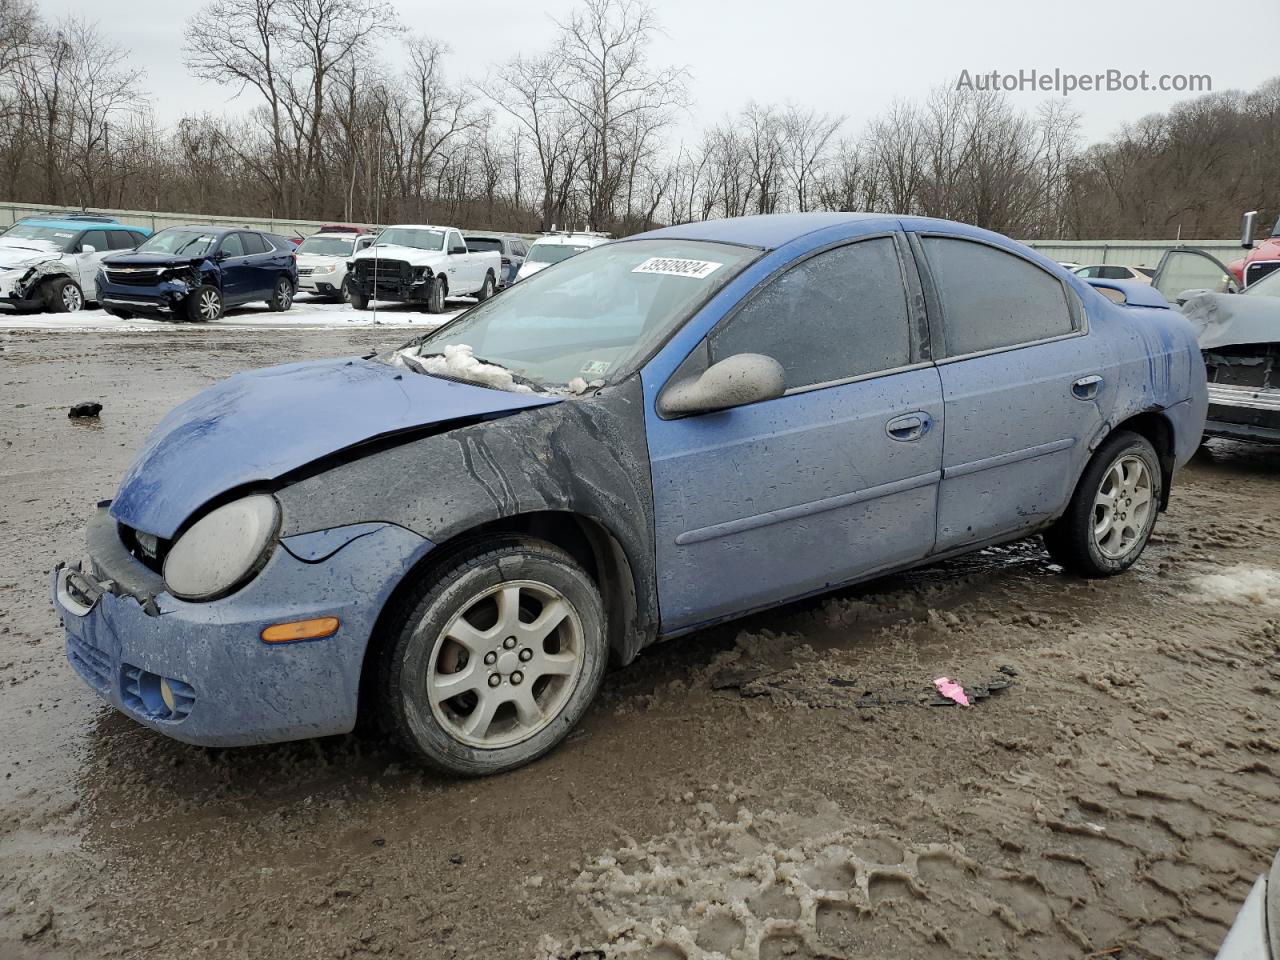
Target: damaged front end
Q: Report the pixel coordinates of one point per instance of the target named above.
(149, 288)
(1244, 391)
(384, 278)
(1240, 341)
(20, 285)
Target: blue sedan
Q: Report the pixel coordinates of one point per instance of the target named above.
(665, 432)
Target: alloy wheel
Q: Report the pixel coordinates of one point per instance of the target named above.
(1122, 507)
(72, 298)
(506, 664)
(284, 294)
(209, 305)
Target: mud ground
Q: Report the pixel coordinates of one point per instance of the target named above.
(779, 787)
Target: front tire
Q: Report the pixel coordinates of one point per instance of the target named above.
(64, 296)
(282, 296)
(436, 295)
(205, 305)
(494, 658)
(357, 299)
(1113, 511)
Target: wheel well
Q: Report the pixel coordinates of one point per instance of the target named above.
(588, 541)
(1155, 426)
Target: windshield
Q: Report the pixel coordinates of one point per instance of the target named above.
(411, 237)
(1268, 286)
(592, 318)
(59, 237)
(328, 246)
(484, 243)
(553, 252)
(182, 241)
(1275, 231)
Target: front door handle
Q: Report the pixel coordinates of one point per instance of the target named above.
(1086, 388)
(908, 427)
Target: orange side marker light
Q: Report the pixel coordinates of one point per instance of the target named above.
(316, 629)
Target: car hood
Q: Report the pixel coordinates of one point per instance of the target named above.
(135, 259)
(1231, 319)
(16, 253)
(318, 259)
(258, 426)
(413, 255)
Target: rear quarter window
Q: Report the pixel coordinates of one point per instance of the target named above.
(991, 298)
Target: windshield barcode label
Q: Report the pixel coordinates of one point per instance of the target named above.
(675, 267)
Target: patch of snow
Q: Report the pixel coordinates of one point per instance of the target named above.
(1241, 584)
(304, 313)
(459, 362)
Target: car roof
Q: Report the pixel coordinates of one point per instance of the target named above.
(769, 231)
(78, 225)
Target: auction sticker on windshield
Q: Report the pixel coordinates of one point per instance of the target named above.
(677, 267)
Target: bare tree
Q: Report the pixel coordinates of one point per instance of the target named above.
(606, 78)
(806, 136)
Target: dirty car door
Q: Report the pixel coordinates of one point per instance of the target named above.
(1025, 388)
(834, 479)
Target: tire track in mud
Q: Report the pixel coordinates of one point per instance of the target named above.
(1140, 834)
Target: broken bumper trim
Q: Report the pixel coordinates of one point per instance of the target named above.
(243, 691)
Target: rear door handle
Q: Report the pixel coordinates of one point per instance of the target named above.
(1086, 388)
(908, 427)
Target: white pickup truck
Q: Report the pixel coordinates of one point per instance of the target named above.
(421, 264)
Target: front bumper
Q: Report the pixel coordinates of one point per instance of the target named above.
(166, 298)
(223, 686)
(1243, 413)
(327, 284)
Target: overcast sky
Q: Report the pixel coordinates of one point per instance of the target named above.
(850, 57)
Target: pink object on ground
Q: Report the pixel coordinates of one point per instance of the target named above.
(951, 690)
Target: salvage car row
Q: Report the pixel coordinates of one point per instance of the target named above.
(61, 263)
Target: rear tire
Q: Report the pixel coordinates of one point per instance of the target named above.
(282, 297)
(473, 680)
(487, 290)
(204, 305)
(64, 296)
(1113, 510)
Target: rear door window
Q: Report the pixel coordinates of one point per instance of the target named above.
(991, 298)
(253, 243)
(839, 314)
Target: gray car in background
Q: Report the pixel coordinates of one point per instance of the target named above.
(512, 249)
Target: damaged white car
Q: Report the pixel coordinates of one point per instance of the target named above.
(1239, 336)
(51, 264)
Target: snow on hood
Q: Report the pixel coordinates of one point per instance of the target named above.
(1232, 319)
(255, 427)
(459, 362)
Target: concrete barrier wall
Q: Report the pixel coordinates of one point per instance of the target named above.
(1134, 253)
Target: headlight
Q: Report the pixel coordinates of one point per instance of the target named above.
(329, 269)
(223, 549)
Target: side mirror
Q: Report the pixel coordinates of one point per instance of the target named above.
(1246, 229)
(733, 382)
(88, 248)
(453, 250)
